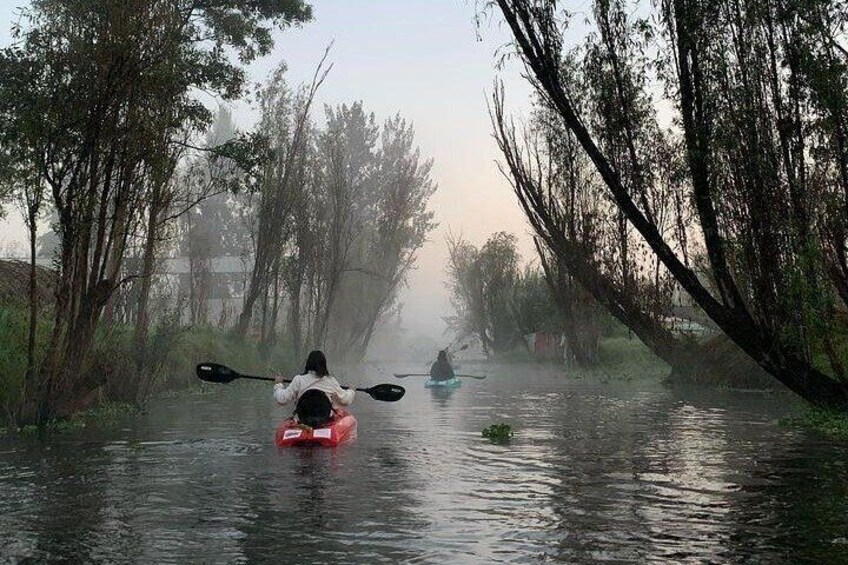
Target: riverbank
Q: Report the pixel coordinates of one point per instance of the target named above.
(104, 414)
(827, 423)
(171, 354)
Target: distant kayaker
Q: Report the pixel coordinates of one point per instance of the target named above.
(441, 370)
(317, 393)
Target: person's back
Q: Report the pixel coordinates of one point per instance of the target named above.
(317, 393)
(441, 370)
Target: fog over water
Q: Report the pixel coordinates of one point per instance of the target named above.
(426, 60)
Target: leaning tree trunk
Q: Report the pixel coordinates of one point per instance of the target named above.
(536, 33)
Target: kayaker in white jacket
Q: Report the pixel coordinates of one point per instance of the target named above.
(315, 377)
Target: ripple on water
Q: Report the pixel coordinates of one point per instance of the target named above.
(597, 472)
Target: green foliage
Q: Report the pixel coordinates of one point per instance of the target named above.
(493, 299)
(361, 192)
(172, 353)
(623, 359)
(103, 415)
(64, 51)
(248, 151)
(13, 355)
(837, 333)
(97, 102)
(498, 433)
(833, 425)
(206, 343)
(753, 170)
(534, 308)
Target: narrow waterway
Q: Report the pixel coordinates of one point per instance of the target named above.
(598, 471)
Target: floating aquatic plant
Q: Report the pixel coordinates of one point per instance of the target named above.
(498, 433)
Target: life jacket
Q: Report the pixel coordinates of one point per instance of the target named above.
(313, 408)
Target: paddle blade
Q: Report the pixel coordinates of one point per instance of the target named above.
(385, 392)
(215, 373)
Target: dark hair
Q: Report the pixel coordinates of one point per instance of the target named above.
(317, 363)
(443, 355)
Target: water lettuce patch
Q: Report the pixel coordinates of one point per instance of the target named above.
(498, 433)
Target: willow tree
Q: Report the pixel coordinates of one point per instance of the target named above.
(731, 72)
(393, 222)
(285, 124)
(338, 217)
(369, 219)
(483, 282)
(586, 246)
(102, 90)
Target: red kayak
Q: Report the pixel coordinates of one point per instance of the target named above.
(341, 429)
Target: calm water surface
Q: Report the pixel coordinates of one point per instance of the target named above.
(598, 472)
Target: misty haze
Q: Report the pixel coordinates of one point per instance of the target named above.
(432, 281)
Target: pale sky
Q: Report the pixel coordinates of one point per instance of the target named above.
(423, 59)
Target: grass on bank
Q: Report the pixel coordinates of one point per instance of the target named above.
(621, 358)
(830, 424)
(104, 414)
(172, 353)
(13, 356)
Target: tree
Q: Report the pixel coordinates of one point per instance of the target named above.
(483, 285)
(285, 123)
(579, 312)
(99, 92)
(340, 213)
(583, 244)
(394, 226)
(742, 120)
(369, 218)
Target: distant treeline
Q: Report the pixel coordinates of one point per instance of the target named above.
(499, 303)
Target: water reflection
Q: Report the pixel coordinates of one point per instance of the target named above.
(621, 472)
(441, 396)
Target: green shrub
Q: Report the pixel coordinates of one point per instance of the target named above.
(623, 359)
(104, 414)
(13, 357)
(14, 325)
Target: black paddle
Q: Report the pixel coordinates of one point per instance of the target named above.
(215, 373)
(404, 375)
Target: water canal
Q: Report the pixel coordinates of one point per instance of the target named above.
(599, 471)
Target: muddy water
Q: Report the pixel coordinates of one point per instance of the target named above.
(598, 471)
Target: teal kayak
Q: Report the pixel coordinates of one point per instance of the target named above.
(450, 383)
